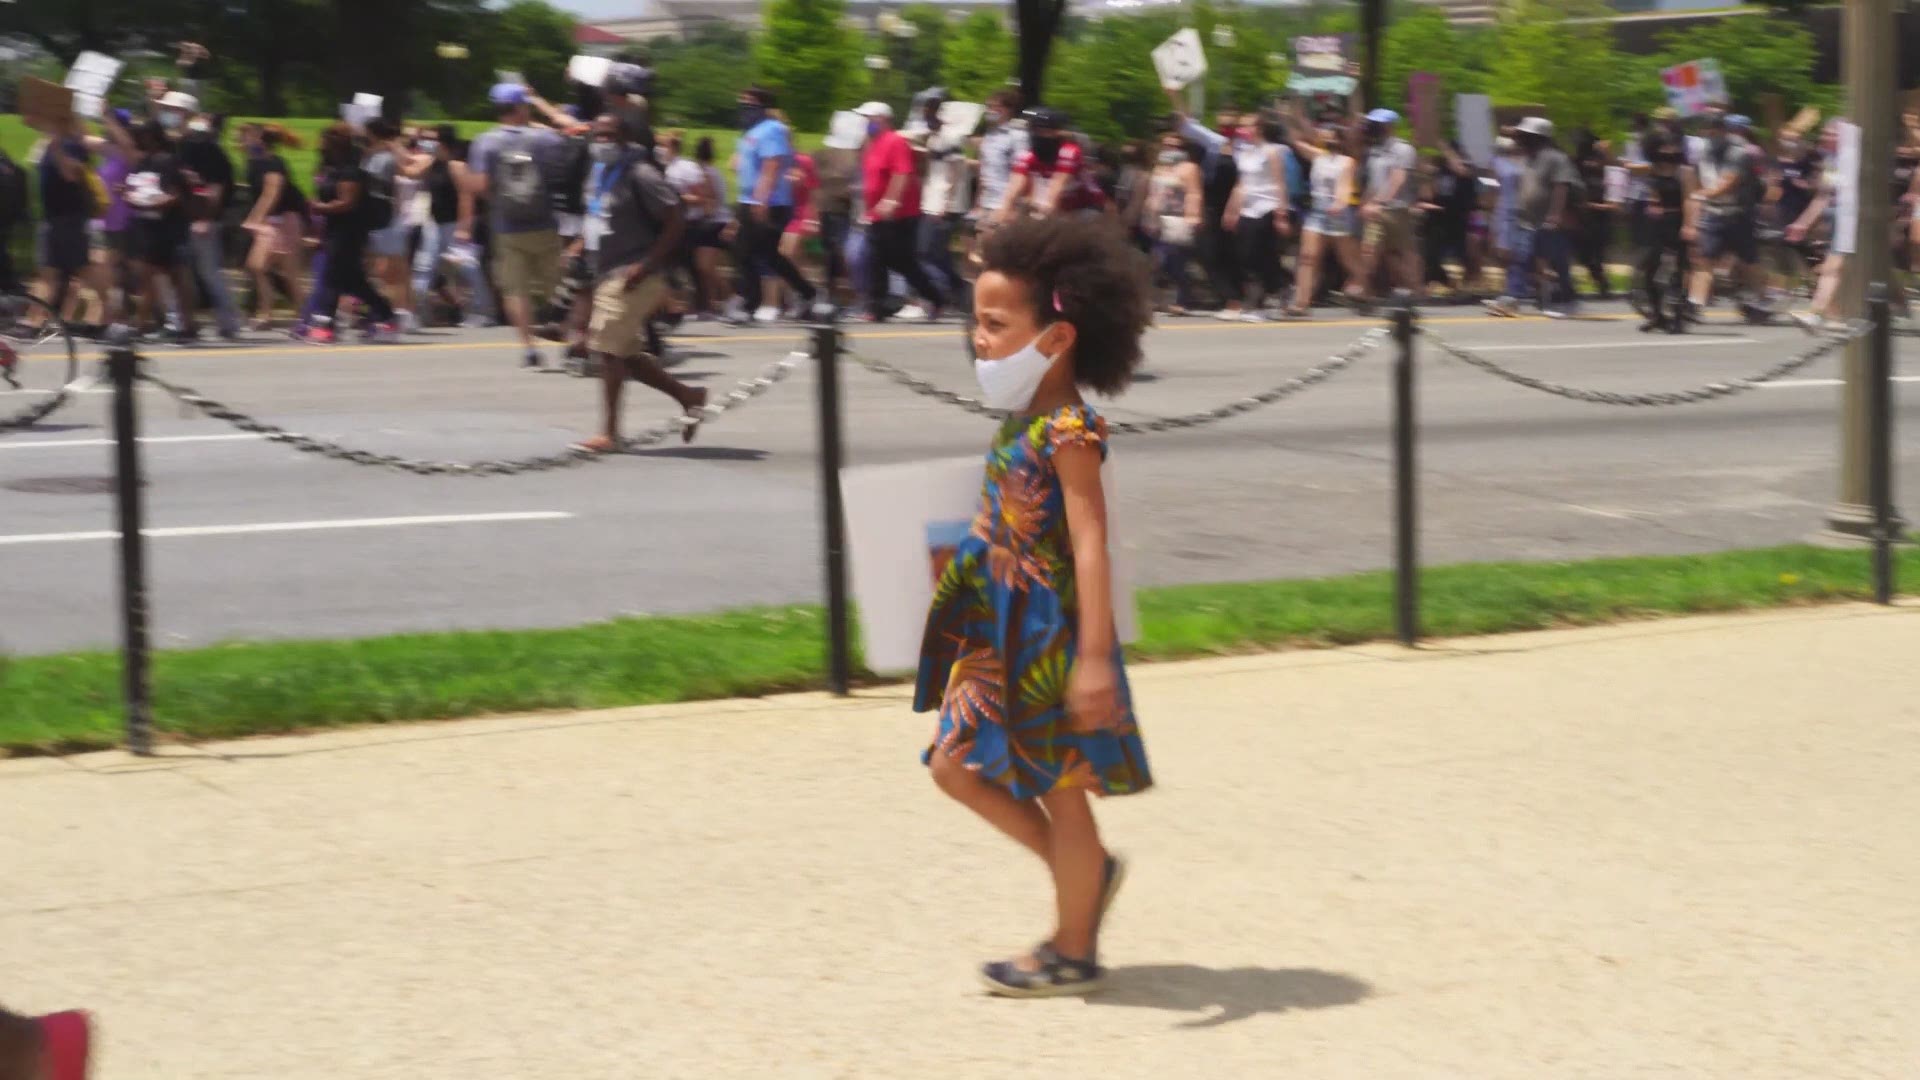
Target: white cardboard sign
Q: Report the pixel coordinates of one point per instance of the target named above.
(1473, 119)
(1693, 86)
(847, 131)
(902, 520)
(362, 108)
(90, 79)
(591, 70)
(1180, 60)
(1846, 188)
(960, 119)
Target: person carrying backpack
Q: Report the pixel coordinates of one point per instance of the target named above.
(510, 168)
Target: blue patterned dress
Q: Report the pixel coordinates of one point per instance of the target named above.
(1002, 634)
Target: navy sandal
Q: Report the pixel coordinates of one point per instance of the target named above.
(1057, 976)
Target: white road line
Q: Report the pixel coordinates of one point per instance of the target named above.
(294, 526)
(1634, 345)
(1797, 384)
(55, 444)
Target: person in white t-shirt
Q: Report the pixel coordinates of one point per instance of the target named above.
(702, 206)
(943, 198)
(1257, 213)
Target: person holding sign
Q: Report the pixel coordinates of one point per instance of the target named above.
(1021, 657)
(1332, 225)
(1256, 212)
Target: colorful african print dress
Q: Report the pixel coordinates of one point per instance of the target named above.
(1002, 634)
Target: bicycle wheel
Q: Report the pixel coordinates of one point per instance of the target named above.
(38, 361)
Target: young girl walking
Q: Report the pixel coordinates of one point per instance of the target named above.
(1021, 656)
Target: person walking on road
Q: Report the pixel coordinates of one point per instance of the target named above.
(1542, 220)
(509, 167)
(765, 154)
(890, 180)
(341, 199)
(634, 217)
(1022, 658)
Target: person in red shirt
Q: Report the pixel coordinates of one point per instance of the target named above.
(1052, 177)
(805, 178)
(891, 185)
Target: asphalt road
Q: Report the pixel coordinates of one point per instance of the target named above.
(1298, 489)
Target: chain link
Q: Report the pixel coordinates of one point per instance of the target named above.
(744, 391)
(36, 412)
(1312, 376)
(1709, 392)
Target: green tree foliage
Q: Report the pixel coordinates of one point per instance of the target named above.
(979, 57)
(534, 38)
(1557, 53)
(698, 80)
(1423, 40)
(808, 54)
(921, 57)
(1758, 54)
(1104, 79)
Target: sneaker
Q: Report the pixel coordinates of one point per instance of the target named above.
(319, 335)
(1252, 316)
(1057, 976)
(478, 322)
(183, 338)
(766, 313)
(1808, 321)
(1557, 313)
(1503, 308)
(385, 333)
(912, 313)
(404, 322)
(532, 360)
(1227, 315)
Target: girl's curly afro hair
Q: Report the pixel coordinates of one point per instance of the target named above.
(1101, 284)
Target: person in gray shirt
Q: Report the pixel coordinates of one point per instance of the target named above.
(1542, 212)
(509, 168)
(634, 216)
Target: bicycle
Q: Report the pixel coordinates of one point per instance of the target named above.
(31, 330)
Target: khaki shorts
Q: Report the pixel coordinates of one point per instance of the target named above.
(1391, 230)
(619, 326)
(526, 264)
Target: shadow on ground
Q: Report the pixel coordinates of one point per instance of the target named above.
(1222, 996)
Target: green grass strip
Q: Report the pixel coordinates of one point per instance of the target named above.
(71, 702)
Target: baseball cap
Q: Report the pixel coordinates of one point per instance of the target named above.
(176, 99)
(507, 93)
(873, 109)
(1740, 121)
(1537, 125)
(1384, 116)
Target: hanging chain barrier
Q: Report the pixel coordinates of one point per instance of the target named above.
(1710, 392)
(1333, 365)
(743, 391)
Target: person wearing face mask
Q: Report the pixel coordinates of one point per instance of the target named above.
(635, 224)
(1172, 217)
(1729, 195)
(1669, 185)
(1332, 226)
(1816, 222)
(1053, 176)
(1387, 207)
(765, 154)
(1061, 306)
(1257, 213)
(1215, 246)
(1000, 145)
(340, 201)
(449, 203)
(158, 190)
(197, 142)
(890, 184)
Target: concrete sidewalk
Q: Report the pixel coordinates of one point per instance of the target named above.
(1670, 849)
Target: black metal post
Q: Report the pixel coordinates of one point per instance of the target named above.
(1406, 555)
(826, 350)
(122, 365)
(1880, 440)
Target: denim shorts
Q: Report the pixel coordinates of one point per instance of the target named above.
(392, 241)
(1330, 222)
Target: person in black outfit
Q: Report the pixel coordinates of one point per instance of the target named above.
(277, 221)
(340, 200)
(1451, 200)
(158, 193)
(1596, 215)
(14, 212)
(1669, 188)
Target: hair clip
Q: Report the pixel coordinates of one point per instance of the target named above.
(1058, 307)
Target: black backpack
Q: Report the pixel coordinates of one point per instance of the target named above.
(13, 192)
(566, 187)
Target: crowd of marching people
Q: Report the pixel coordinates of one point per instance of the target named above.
(1262, 214)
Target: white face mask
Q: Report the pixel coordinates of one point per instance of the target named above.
(1009, 384)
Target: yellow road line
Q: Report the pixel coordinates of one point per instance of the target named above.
(798, 336)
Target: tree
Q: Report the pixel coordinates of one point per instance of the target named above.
(1757, 55)
(922, 54)
(1558, 54)
(1104, 82)
(809, 56)
(1423, 40)
(533, 38)
(979, 57)
(698, 80)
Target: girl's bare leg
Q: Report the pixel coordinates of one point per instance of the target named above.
(1829, 284)
(1079, 866)
(1022, 820)
(259, 260)
(1347, 249)
(1308, 272)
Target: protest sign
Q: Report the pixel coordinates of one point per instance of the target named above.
(501, 75)
(1473, 119)
(960, 119)
(1803, 120)
(1693, 86)
(1320, 66)
(1846, 188)
(1423, 102)
(591, 70)
(1179, 60)
(903, 524)
(91, 79)
(45, 106)
(1617, 184)
(847, 131)
(362, 109)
